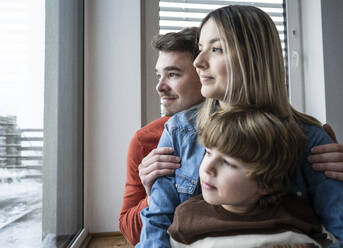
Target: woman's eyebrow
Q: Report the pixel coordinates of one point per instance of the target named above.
(211, 41)
(214, 40)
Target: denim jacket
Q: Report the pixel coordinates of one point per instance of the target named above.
(323, 194)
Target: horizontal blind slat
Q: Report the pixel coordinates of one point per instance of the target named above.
(182, 27)
(194, 19)
(224, 3)
(195, 10)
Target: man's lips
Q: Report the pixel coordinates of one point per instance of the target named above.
(207, 186)
(166, 99)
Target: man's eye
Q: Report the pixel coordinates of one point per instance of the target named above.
(158, 76)
(172, 74)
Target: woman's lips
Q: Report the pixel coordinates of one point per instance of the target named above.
(205, 78)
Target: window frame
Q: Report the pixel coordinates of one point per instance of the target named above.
(64, 119)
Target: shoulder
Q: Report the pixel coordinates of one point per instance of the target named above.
(154, 128)
(157, 124)
(194, 203)
(315, 135)
(148, 136)
(185, 119)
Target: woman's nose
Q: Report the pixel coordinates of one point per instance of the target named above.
(200, 61)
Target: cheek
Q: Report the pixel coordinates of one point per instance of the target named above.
(223, 77)
(202, 168)
(237, 185)
(190, 87)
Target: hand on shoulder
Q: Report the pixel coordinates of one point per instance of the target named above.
(329, 157)
(159, 162)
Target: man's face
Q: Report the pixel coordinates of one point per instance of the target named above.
(178, 82)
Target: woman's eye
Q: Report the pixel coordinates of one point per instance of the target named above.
(217, 49)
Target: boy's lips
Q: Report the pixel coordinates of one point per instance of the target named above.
(207, 186)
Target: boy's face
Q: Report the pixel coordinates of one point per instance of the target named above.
(224, 181)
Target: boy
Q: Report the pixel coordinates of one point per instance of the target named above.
(245, 177)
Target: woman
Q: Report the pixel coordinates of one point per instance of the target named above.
(240, 63)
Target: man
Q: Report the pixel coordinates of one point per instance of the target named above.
(179, 89)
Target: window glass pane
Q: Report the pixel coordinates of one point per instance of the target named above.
(22, 37)
(41, 122)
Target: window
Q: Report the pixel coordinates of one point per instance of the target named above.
(41, 122)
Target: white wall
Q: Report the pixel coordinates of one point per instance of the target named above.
(333, 63)
(323, 61)
(112, 105)
(313, 59)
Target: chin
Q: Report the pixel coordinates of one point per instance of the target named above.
(209, 200)
(205, 93)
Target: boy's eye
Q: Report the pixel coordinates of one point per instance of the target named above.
(207, 153)
(230, 164)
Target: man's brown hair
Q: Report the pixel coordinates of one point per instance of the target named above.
(182, 41)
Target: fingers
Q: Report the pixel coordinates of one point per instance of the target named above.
(158, 151)
(331, 170)
(334, 175)
(328, 148)
(159, 155)
(148, 179)
(330, 132)
(326, 157)
(157, 166)
(334, 167)
(159, 162)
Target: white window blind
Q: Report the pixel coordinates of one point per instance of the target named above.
(178, 14)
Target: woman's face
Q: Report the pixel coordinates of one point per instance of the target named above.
(210, 63)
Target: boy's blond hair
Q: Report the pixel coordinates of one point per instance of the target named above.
(271, 145)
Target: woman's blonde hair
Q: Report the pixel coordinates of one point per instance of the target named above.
(270, 145)
(254, 61)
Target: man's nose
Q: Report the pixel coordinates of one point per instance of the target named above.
(162, 85)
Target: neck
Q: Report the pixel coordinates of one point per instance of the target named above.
(240, 209)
